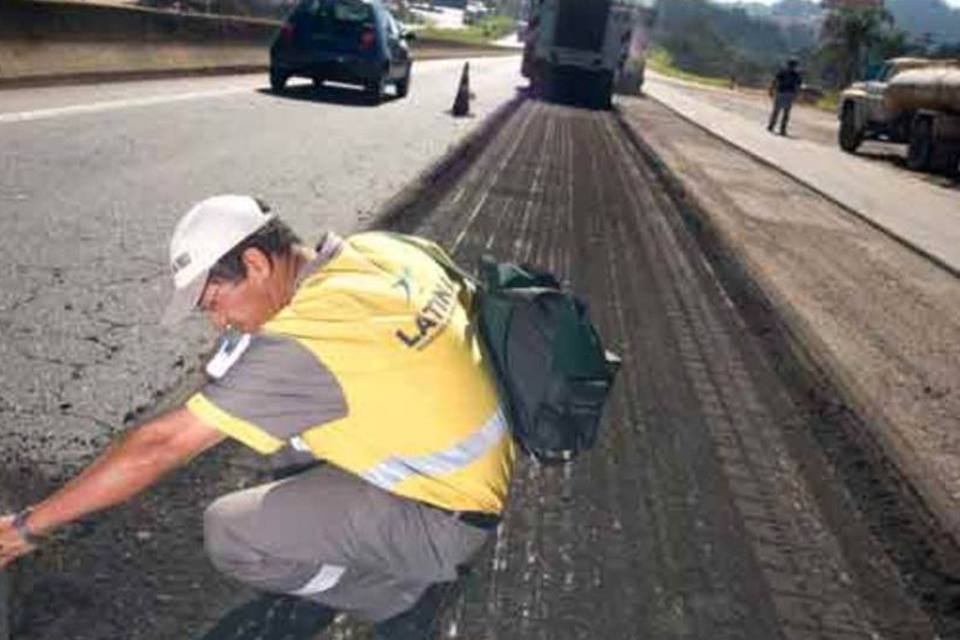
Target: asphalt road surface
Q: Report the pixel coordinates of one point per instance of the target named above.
(92, 180)
(707, 510)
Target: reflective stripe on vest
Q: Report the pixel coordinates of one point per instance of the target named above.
(395, 470)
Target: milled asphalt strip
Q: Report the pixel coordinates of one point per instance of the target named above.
(920, 216)
(113, 105)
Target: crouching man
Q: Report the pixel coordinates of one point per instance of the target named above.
(359, 354)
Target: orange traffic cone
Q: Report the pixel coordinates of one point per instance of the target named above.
(461, 104)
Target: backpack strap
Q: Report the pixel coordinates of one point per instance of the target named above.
(439, 256)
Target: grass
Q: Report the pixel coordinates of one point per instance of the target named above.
(661, 61)
(484, 31)
(829, 102)
(408, 18)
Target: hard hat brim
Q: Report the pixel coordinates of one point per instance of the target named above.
(184, 300)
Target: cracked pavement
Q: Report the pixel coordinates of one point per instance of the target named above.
(88, 200)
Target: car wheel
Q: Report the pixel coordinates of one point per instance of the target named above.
(403, 85)
(278, 80)
(374, 90)
(849, 137)
(920, 149)
(952, 168)
(945, 161)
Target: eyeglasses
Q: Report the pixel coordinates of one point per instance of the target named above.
(211, 294)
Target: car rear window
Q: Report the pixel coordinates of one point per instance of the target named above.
(342, 16)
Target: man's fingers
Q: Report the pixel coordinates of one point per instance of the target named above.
(11, 546)
(7, 555)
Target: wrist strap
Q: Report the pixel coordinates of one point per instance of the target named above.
(20, 524)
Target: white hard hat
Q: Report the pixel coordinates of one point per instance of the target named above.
(204, 235)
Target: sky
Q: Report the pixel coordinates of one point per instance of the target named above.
(952, 3)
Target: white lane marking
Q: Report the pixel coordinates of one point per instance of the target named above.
(112, 105)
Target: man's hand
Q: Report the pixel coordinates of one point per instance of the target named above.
(136, 462)
(12, 543)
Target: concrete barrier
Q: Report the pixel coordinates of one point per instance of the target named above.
(42, 41)
(54, 39)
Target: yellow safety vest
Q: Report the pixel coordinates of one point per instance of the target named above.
(423, 418)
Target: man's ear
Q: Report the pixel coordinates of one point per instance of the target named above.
(258, 265)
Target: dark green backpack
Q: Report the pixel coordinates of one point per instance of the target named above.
(552, 370)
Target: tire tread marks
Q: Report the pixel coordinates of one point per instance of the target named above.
(691, 519)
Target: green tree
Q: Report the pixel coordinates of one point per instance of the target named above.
(897, 42)
(721, 41)
(851, 35)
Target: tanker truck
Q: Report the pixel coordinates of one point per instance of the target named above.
(576, 49)
(912, 101)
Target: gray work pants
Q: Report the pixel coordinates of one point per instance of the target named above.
(782, 103)
(331, 537)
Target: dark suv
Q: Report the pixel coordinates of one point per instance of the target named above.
(353, 41)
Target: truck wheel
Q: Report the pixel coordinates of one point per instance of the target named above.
(606, 99)
(953, 164)
(850, 137)
(920, 150)
(601, 91)
(536, 87)
(945, 161)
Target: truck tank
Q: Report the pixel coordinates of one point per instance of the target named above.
(936, 88)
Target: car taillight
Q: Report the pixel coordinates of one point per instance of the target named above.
(286, 33)
(368, 38)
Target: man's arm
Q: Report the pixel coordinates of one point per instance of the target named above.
(125, 469)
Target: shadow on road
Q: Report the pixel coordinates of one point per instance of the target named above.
(272, 617)
(331, 94)
(571, 98)
(879, 152)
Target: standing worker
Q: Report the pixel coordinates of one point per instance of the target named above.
(784, 88)
(359, 354)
